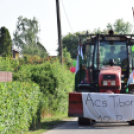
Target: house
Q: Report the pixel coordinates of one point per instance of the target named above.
(15, 54)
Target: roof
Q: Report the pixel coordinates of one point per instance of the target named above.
(15, 50)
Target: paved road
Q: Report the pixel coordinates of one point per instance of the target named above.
(72, 127)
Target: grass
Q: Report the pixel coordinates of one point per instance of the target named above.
(49, 122)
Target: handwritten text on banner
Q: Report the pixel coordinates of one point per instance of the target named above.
(108, 107)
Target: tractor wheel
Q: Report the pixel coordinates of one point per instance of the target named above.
(83, 121)
(93, 121)
(131, 122)
(131, 86)
(131, 92)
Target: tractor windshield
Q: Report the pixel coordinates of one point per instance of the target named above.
(116, 50)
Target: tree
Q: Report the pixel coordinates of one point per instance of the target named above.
(97, 31)
(26, 37)
(67, 57)
(70, 42)
(5, 42)
(120, 27)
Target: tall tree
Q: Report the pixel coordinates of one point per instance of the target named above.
(26, 37)
(70, 42)
(120, 26)
(5, 42)
(97, 31)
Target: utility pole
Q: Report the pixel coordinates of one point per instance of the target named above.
(59, 31)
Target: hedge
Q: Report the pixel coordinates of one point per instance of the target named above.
(19, 102)
(8, 64)
(54, 80)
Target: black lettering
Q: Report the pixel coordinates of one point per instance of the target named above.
(118, 117)
(104, 103)
(89, 98)
(129, 103)
(96, 104)
(100, 118)
(113, 98)
(122, 104)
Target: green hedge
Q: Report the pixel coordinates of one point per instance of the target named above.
(19, 103)
(54, 80)
(8, 64)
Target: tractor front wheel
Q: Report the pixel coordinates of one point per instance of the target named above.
(84, 121)
(131, 122)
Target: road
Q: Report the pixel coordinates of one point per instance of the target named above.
(72, 127)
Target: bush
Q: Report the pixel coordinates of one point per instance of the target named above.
(28, 59)
(8, 64)
(54, 80)
(19, 105)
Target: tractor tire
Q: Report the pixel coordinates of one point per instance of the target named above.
(131, 92)
(84, 121)
(131, 87)
(93, 121)
(131, 122)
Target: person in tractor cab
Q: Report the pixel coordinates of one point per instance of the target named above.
(123, 55)
(110, 55)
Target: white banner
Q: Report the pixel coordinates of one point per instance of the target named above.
(108, 107)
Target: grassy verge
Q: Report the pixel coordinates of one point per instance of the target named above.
(49, 122)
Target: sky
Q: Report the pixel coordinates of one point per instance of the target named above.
(82, 15)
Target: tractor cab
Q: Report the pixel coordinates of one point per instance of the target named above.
(108, 61)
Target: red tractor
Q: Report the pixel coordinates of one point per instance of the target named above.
(107, 64)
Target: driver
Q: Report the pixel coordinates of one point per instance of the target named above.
(123, 53)
(123, 56)
(111, 54)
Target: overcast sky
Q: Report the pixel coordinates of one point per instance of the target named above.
(82, 15)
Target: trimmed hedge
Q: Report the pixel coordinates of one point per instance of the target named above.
(8, 64)
(19, 103)
(55, 82)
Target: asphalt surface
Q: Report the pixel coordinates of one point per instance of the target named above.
(72, 127)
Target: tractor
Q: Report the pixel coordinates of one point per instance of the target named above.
(108, 61)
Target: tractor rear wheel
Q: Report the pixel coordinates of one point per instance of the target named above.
(131, 86)
(84, 121)
(131, 122)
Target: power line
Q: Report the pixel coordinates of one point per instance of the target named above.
(66, 15)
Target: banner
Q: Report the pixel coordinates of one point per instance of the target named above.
(108, 107)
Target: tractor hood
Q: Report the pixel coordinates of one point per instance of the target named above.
(111, 69)
(110, 79)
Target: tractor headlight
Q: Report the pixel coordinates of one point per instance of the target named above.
(113, 83)
(105, 83)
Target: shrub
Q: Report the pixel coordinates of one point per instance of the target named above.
(8, 64)
(54, 80)
(19, 104)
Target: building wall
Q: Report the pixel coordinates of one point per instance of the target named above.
(15, 54)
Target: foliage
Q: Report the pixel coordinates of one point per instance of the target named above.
(33, 59)
(70, 42)
(97, 31)
(5, 42)
(120, 26)
(26, 37)
(67, 58)
(54, 80)
(8, 64)
(19, 104)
